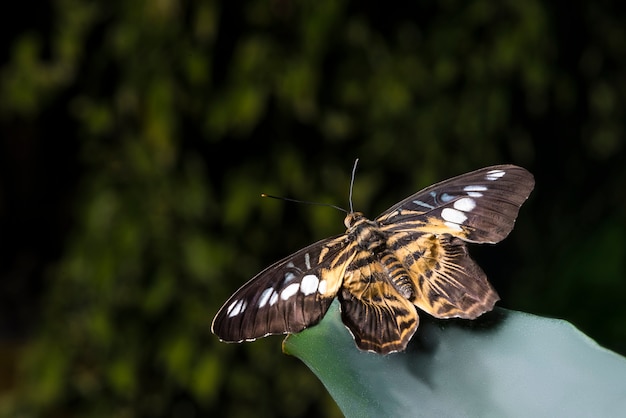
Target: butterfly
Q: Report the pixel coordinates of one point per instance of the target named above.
(413, 256)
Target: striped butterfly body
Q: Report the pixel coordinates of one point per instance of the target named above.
(412, 256)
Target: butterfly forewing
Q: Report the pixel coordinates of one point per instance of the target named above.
(480, 206)
(287, 297)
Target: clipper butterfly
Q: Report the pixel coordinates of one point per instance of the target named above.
(412, 257)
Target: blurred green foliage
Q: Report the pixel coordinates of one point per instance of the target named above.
(174, 116)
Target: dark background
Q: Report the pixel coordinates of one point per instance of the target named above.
(137, 136)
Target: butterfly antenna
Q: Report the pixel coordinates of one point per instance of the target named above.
(352, 183)
(303, 201)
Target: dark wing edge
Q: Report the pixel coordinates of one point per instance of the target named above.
(287, 297)
(480, 206)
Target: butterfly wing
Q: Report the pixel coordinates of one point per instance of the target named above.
(287, 297)
(447, 283)
(379, 318)
(426, 233)
(480, 206)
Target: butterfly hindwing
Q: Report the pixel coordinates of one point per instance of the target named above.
(287, 297)
(378, 316)
(480, 206)
(447, 282)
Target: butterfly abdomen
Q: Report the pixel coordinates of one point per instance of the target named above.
(397, 273)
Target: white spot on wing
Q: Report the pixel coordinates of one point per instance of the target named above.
(445, 197)
(465, 204)
(309, 284)
(453, 215)
(454, 226)
(322, 287)
(289, 276)
(273, 298)
(237, 307)
(424, 204)
(289, 291)
(265, 296)
(494, 174)
(475, 188)
(230, 308)
(307, 261)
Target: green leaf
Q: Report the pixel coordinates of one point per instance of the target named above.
(506, 363)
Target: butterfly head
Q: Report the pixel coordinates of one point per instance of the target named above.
(352, 219)
(365, 233)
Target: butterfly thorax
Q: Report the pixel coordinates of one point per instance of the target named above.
(365, 233)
